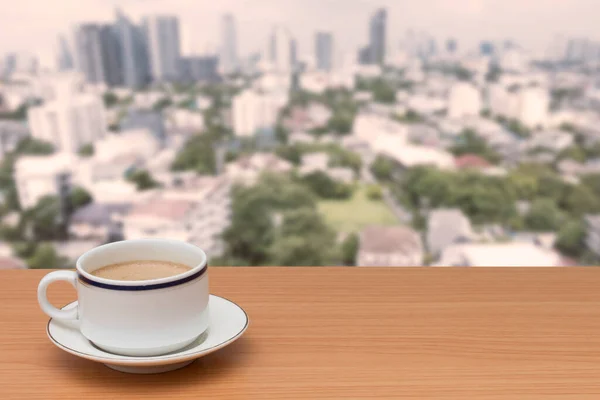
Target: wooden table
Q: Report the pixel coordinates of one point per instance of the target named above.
(331, 333)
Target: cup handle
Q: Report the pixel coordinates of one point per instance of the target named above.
(53, 312)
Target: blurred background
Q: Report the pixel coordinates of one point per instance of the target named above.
(350, 133)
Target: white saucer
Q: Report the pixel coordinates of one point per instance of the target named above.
(228, 321)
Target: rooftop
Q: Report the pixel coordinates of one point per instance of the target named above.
(514, 254)
(162, 208)
(389, 239)
(471, 161)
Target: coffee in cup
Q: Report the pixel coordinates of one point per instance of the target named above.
(140, 270)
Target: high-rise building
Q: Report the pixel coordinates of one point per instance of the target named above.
(377, 36)
(111, 55)
(281, 50)
(134, 53)
(162, 35)
(486, 48)
(254, 111)
(324, 50)
(69, 118)
(88, 49)
(228, 56)
(200, 69)
(451, 46)
(65, 58)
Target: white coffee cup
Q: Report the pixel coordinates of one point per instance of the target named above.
(136, 318)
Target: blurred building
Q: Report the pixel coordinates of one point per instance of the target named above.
(162, 37)
(530, 105)
(228, 53)
(200, 69)
(281, 50)
(145, 119)
(486, 48)
(451, 46)
(39, 176)
(464, 100)
(324, 51)
(65, 56)
(70, 119)
(88, 52)
(446, 227)
(247, 169)
(134, 52)
(377, 37)
(389, 246)
(512, 254)
(254, 110)
(197, 213)
(592, 240)
(11, 133)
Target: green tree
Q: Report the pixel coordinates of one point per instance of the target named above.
(197, 154)
(470, 143)
(80, 197)
(374, 192)
(45, 257)
(580, 200)
(43, 219)
(143, 180)
(303, 239)
(574, 152)
(383, 92)
(340, 157)
(87, 150)
(349, 249)
(110, 99)
(291, 153)
(257, 212)
(31, 146)
(162, 104)
(325, 187)
(382, 168)
(544, 215)
(571, 238)
(518, 128)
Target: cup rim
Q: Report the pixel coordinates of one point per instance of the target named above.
(158, 281)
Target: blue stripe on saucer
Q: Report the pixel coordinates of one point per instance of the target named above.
(137, 288)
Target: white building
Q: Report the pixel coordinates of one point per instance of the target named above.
(313, 162)
(140, 143)
(248, 169)
(39, 176)
(530, 105)
(281, 50)
(514, 254)
(389, 246)
(197, 213)
(534, 107)
(412, 156)
(445, 227)
(253, 111)
(184, 120)
(464, 100)
(68, 118)
(553, 140)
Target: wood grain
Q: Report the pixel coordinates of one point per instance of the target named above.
(332, 333)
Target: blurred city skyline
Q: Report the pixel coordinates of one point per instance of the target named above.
(34, 26)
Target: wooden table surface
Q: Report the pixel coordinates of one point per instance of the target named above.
(332, 333)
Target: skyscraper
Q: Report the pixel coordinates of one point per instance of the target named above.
(377, 36)
(88, 49)
(324, 50)
(228, 56)
(451, 46)
(65, 58)
(282, 50)
(162, 35)
(134, 53)
(111, 56)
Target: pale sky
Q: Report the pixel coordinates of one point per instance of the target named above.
(34, 25)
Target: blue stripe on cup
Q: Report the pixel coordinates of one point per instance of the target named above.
(137, 288)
